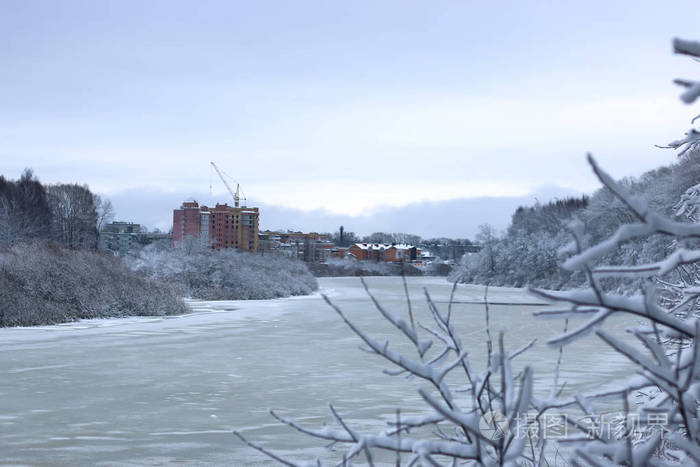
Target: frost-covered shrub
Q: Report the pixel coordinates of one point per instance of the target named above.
(517, 260)
(437, 268)
(43, 284)
(336, 267)
(226, 274)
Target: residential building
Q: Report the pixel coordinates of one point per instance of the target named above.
(220, 227)
(187, 222)
(309, 247)
(119, 238)
(339, 252)
(146, 238)
(232, 227)
(393, 253)
(123, 238)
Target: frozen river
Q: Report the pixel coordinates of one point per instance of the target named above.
(154, 391)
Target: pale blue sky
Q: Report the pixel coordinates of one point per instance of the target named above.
(340, 105)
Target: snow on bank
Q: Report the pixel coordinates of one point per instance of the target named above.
(205, 314)
(202, 314)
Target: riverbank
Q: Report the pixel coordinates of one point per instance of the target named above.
(348, 268)
(42, 283)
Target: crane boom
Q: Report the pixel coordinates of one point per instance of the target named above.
(236, 195)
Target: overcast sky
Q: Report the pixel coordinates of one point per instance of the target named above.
(339, 105)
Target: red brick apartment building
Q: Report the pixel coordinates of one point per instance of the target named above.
(187, 222)
(220, 227)
(395, 253)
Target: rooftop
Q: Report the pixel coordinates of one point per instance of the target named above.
(383, 246)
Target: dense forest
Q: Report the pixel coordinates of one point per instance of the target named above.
(531, 250)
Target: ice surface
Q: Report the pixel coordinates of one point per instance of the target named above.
(151, 390)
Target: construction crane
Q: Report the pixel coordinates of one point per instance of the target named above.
(237, 194)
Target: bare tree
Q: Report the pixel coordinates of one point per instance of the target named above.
(105, 211)
(74, 215)
(481, 428)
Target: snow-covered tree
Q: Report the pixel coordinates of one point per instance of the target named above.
(666, 357)
(470, 413)
(465, 405)
(225, 274)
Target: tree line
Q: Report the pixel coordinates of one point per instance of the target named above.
(529, 252)
(68, 214)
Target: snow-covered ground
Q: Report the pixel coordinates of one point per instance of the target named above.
(160, 390)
